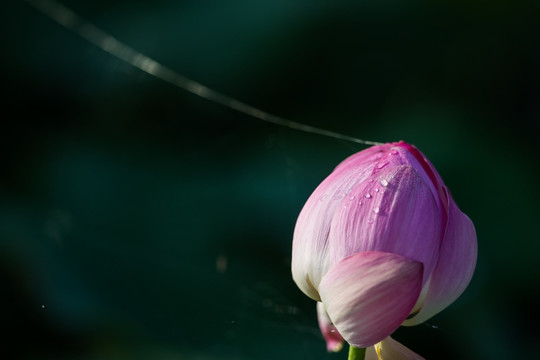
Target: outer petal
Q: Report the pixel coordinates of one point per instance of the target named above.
(457, 260)
(309, 260)
(390, 349)
(393, 212)
(334, 340)
(368, 295)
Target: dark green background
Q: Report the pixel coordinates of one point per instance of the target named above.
(122, 197)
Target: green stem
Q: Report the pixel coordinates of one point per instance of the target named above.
(356, 353)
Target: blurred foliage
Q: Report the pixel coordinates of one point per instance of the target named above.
(140, 221)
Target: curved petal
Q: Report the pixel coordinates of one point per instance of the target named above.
(368, 295)
(390, 349)
(395, 213)
(309, 260)
(334, 340)
(454, 270)
(427, 171)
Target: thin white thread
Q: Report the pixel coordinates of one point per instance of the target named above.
(111, 45)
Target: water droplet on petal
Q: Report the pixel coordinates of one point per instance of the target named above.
(394, 152)
(384, 182)
(376, 210)
(370, 221)
(368, 196)
(376, 189)
(381, 165)
(352, 197)
(370, 180)
(359, 203)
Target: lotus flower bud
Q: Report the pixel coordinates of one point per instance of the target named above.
(381, 243)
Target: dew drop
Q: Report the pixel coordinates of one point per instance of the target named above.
(376, 210)
(384, 182)
(368, 196)
(376, 189)
(360, 203)
(370, 180)
(394, 152)
(381, 165)
(352, 197)
(370, 221)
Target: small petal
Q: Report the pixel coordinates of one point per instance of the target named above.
(334, 340)
(371, 353)
(454, 270)
(368, 295)
(390, 349)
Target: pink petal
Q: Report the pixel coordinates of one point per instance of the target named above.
(400, 217)
(427, 171)
(390, 349)
(309, 260)
(368, 295)
(454, 270)
(334, 340)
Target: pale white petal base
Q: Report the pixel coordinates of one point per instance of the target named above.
(390, 349)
